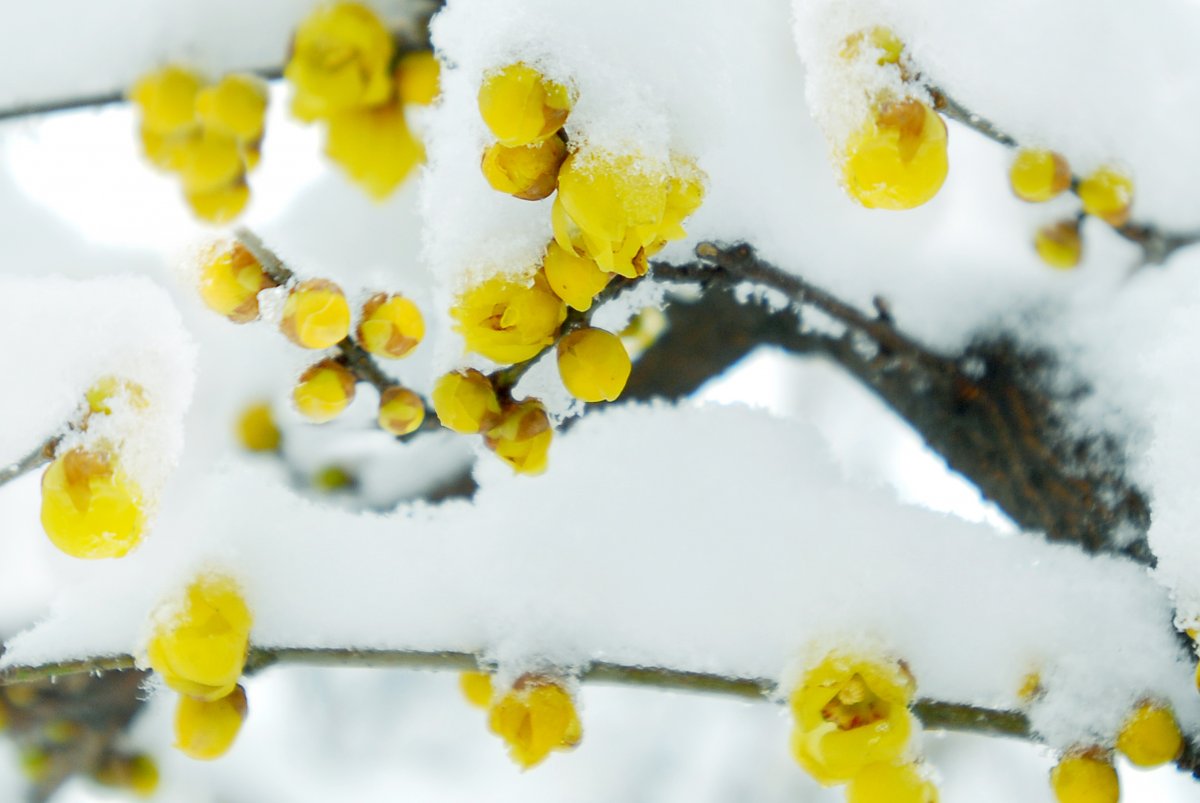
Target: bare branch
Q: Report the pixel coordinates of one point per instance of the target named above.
(39, 457)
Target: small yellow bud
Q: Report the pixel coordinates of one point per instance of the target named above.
(1150, 736)
(880, 39)
(235, 107)
(256, 429)
(573, 277)
(400, 411)
(199, 648)
(890, 783)
(521, 437)
(316, 315)
(230, 281)
(209, 161)
(109, 390)
(165, 151)
(477, 688)
(520, 106)
(509, 320)
(535, 717)
(644, 330)
(206, 729)
(90, 509)
(1107, 194)
(897, 160)
(221, 204)
(417, 77)
(324, 391)
(465, 402)
(1058, 244)
(1085, 777)
(137, 773)
(36, 764)
(374, 147)
(391, 326)
(166, 99)
(593, 364)
(1031, 688)
(528, 172)
(331, 479)
(340, 59)
(1038, 176)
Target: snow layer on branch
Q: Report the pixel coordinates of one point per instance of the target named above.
(633, 549)
(75, 333)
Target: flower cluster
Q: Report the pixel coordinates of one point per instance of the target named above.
(535, 717)
(854, 726)
(345, 70)
(209, 135)
(198, 646)
(896, 158)
(518, 432)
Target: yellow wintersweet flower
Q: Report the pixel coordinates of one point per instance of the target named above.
(1107, 194)
(685, 192)
(509, 320)
(574, 277)
(400, 411)
(593, 364)
(208, 161)
(1059, 244)
(882, 41)
(1038, 175)
(90, 508)
(1150, 736)
(521, 106)
(391, 326)
(417, 77)
(165, 151)
(465, 402)
(851, 711)
(897, 160)
(528, 172)
(256, 429)
(477, 688)
(1085, 776)
(220, 204)
(340, 60)
(316, 314)
(206, 729)
(375, 147)
(230, 280)
(324, 391)
(199, 648)
(534, 718)
(891, 783)
(109, 389)
(235, 106)
(166, 99)
(521, 437)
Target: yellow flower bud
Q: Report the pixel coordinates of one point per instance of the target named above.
(534, 718)
(166, 99)
(331, 479)
(165, 151)
(1107, 194)
(465, 402)
(221, 204)
(1038, 175)
(508, 320)
(1150, 736)
(137, 773)
(851, 712)
(477, 688)
(90, 508)
(521, 437)
(199, 647)
(400, 411)
(1085, 777)
(230, 281)
(256, 429)
(316, 315)
(521, 106)
(109, 389)
(374, 147)
(573, 277)
(206, 729)
(36, 764)
(528, 172)
(897, 160)
(593, 364)
(644, 330)
(209, 161)
(890, 783)
(417, 77)
(1058, 244)
(391, 326)
(235, 107)
(324, 391)
(341, 58)
(880, 39)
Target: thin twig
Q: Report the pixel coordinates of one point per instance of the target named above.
(31, 462)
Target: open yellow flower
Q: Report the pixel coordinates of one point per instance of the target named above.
(341, 59)
(535, 717)
(509, 320)
(851, 711)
